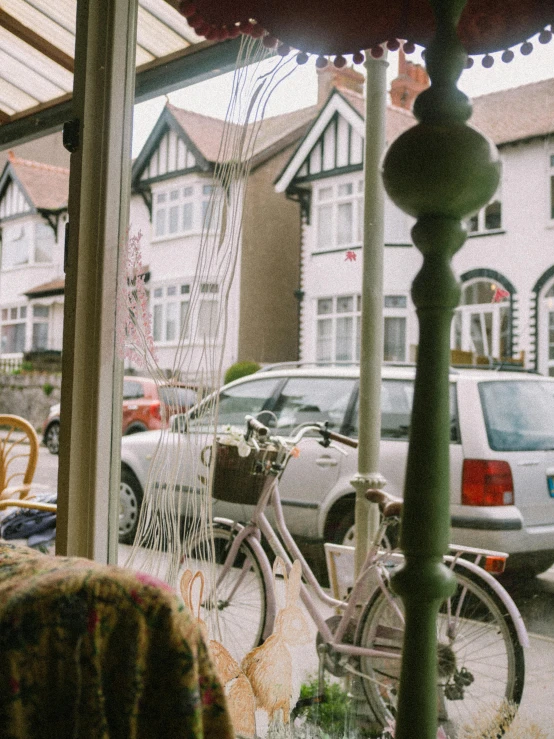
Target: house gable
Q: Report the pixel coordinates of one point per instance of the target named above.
(168, 152)
(332, 145)
(14, 200)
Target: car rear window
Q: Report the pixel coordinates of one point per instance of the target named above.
(132, 390)
(178, 397)
(519, 415)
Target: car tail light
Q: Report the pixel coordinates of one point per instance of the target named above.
(155, 411)
(487, 482)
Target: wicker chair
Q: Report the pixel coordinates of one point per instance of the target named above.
(19, 447)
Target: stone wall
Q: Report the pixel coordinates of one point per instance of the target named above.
(27, 395)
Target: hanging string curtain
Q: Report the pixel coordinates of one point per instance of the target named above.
(328, 27)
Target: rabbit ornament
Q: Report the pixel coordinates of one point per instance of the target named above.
(269, 666)
(238, 691)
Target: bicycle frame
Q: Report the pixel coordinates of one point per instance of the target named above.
(371, 578)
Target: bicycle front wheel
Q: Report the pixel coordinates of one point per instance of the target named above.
(480, 660)
(233, 605)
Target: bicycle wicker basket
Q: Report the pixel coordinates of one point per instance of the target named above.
(239, 479)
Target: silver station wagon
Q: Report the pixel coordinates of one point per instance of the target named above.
(501, 454)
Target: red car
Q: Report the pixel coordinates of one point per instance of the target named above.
(146, 406)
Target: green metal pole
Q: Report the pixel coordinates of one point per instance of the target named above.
(439, 171)
(371, 337)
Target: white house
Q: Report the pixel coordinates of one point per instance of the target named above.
(506, 266)
(33, 214)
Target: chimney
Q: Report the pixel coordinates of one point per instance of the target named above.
(331, 77)
(412, 79)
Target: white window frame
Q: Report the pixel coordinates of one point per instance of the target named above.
(546, 320)
(37, 320)
(477, 224)
(178, 294)
(30, 226)
(396, 307)
(13, 315)
(330, 195)
(173, 196)
(481, 310)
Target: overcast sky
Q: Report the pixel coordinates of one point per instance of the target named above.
(300, 89)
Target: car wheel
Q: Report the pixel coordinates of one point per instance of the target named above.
(344, 531)
(136, 428)
(52, 438)
(130, 501)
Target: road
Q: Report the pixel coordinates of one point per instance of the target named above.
(534, 598)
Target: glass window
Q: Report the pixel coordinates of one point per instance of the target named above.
(493, 216)
(207, 318)
(313, 399)
(396, 301)
(160, 222)
(40, 311)
(45, 240)
(173, 219)
(395, 339)
(236, 402)
(171, 290)
(337, 336)
(187, 216)
(339, 215)
(324, 226)
(13, 338)
(40, 336)
(132, 389)
(324, 349)
(171, 322)
(345, 346)
(324, 305)
(15, 246)
(157, 322)
(518, 415)
(184, 318)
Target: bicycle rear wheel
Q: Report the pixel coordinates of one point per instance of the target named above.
(235, 609)
(480, 660)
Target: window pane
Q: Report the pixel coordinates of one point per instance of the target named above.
(395, 339)
(345, 304)
(161, 197)
(171, 322)
(345, 189)
(324, 227)
(187, 192)
(518, 415)
(247, 399)
(13, 338)
(344, 226)
(44, 242)
(160, 222)
(15, 247)
(40, 311)
(185, 289)
(173, 219)
(207, 318)
(493, 216)
(40, 336)
(360, 214)
(324, 347)
(324, 305)
(23, 311)
(157, 323)
(174, 195)
(395, 301)
(313, 399)
(187, 216)
(473, 223)
(344, 346)
(171, 290)
(158, 292)
(326, 193)
(185, 326)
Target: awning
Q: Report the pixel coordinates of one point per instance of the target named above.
(37, 50)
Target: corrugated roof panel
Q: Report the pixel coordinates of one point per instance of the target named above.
(35, 61)
(36, 85)
(157, 37)
(13, 100)
(168, 15)
(33, 19)
(61, 12)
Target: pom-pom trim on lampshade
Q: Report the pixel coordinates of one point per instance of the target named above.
(328, 28)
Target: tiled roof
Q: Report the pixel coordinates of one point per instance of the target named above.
(206, 133)
(516, 114)
(47, 288)
(46, 185)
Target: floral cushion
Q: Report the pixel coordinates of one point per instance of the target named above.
(97, 652)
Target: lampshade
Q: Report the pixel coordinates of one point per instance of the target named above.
(331, 27)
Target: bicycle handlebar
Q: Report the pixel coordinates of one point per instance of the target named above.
(262, 431)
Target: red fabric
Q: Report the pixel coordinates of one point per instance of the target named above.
(331, 27)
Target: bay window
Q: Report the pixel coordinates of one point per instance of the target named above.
(13, 335)
(183, 209)
(171, 313)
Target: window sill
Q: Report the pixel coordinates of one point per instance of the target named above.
(492, 232)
